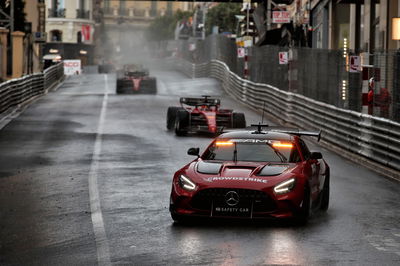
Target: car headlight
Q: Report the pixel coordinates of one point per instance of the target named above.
(285, 186)
(186, 183)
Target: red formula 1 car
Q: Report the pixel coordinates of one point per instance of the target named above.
(252, 174)
(133, 79)
(202, 115)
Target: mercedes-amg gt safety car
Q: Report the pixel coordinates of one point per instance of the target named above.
(133, 79)
(202, 114)
(252, 174)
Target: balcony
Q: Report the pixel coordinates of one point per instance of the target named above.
(82, 14)
(56, 13)
(123, 12)
(128, 13)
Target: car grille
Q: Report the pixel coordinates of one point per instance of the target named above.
(261, 202)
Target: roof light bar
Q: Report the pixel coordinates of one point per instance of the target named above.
(223, 143)
(282, 145)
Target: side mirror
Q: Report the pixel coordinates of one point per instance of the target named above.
(316, 155)
(194, 151)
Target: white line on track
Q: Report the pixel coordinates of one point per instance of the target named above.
(102, 246)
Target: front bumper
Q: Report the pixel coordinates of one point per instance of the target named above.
(256, 204)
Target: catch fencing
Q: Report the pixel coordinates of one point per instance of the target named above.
(376, 139)
(18, 91)
(320, 74)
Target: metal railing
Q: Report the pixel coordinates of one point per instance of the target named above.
(18, 91)
(82, 14)
(321, 74)
(56, 13)
(374, 138)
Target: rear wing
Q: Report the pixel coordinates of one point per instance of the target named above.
(286, 130)
(199, 101)
(299, 133)
(136, 73)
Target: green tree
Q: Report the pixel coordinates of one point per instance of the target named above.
(163, 28)
(223, 16)
(19, 14)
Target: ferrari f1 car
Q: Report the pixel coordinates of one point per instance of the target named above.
(252, 174)
(135, 80)
(202, 115)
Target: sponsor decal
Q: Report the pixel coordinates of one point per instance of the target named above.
(230, 178)
(231, 209)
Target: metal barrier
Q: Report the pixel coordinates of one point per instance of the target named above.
(18, 91)
(53, 75)
(374, 138)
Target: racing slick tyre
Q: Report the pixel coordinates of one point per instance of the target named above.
(120, 86)
(181, 122)
(305, 211)
(171, 116)
(325, 194)
(239, 120)
(148, 86)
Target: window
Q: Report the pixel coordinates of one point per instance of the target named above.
(56, 36)
(57, 4)
(304, 149)
(251, 152)
(82, 4)
(295, 156)
(169, 8)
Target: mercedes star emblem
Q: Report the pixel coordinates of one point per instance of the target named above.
(232, 198)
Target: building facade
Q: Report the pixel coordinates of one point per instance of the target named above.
(124, 24)
(70, 29)
(366, 26)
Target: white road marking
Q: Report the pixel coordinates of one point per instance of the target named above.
(103, 249)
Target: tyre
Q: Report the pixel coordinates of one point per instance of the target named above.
(181, 122)
(148, 86)
(239, 120)
(120, 86)
(325, 194)
(305, 211)
(171, 116)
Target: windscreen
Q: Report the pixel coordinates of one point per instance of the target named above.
(252, 150)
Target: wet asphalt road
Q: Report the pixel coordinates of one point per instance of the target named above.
(85, 179)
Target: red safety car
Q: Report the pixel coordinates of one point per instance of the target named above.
(202, 114)
(252, 174)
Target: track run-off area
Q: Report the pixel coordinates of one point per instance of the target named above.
(86, 175)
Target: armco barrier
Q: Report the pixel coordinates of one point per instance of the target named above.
(374, 138)
(18, 91)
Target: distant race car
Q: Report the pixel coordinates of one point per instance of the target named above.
(252, 174)
(133, 79)
(202, 114)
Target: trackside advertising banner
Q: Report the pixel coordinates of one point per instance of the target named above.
(72, 67)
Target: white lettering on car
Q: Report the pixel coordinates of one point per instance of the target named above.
(230, 209)
(251, 140)
(230, 178)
